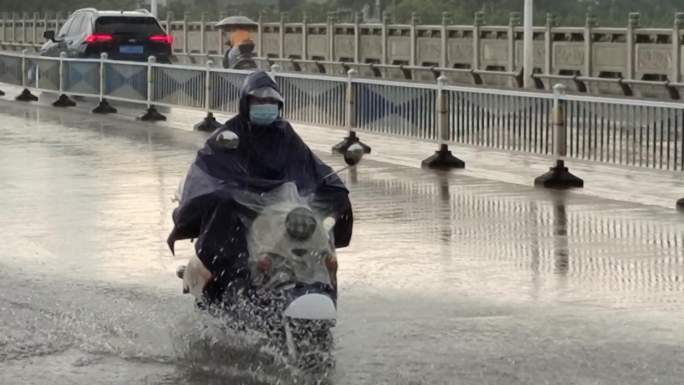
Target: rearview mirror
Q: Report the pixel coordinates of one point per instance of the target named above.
(49, 35)
(228, 140)
(354, 154)
(329, 223)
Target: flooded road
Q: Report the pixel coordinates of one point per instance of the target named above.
(450, 279)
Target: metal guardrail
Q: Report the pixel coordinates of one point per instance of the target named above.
(608, 130)
(645, 89)
(318, 101)
(630, 133)
(395, 109)
(11, 70)
(126, 81)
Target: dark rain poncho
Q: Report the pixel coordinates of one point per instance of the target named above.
(266, 158)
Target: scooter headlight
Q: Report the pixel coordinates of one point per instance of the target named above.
(300, 223)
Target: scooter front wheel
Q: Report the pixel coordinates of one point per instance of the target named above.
(310, 344)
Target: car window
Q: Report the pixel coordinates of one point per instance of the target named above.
(75, 27)
(85, 25)
(65, 28)
(128, 25)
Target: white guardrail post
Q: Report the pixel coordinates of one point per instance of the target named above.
(24, 30)
(443, 159)
(203, 33)
(25, 95)
(560, 148)
(186, 34)
(207, 87)
(2, 93)
(151, 115)
(34, 29)
(349, 102)
(14, 27)
(350, 109)
(209, 123)
(46, 27)
(275, 68)
(559, 177)
(4, 27)
(63, 100)
(104, 107)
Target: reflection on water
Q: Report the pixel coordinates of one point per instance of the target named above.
(560, 232)
(598, 249)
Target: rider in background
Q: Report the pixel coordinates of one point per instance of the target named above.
(240, 54)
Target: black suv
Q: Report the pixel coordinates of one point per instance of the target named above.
(133, 35)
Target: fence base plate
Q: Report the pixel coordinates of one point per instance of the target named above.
(104, 108)
(559, 177)
(152, 115)
(64, 101)
(26, 96)
(209, 124)
(680, 205)
(443, 159)
(341, 148)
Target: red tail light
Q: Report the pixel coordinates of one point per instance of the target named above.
(99, 38)
(166, 39)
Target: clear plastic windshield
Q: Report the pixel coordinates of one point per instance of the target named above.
(297, 254)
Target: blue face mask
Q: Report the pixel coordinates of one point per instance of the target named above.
(263, 114)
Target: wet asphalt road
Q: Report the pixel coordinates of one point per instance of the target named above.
(462, 278)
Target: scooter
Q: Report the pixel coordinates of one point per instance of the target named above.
(293, 266)
(240, 57)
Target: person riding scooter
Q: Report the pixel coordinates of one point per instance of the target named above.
(240, 54)
(268, 154)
